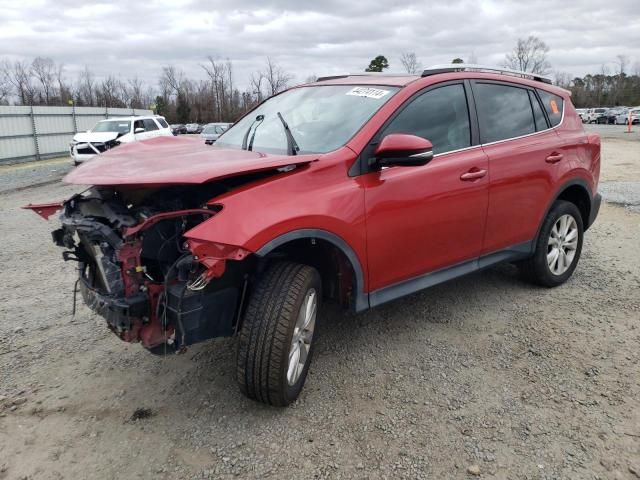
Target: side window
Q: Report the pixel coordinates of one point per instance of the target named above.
(553, 104)
(219, 130)
(538, 115)
(138, 124)
(150, 125)
(503, 111)
(162, 122)
(440, 115)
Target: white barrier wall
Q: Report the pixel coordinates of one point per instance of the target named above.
(35, 133)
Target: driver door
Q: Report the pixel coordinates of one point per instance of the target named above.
(424, 219)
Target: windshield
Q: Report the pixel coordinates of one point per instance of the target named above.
(119, 126)
(321, 118)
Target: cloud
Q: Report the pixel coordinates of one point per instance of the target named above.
(322, 37)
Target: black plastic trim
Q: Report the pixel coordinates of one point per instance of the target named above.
(560, 191)
(407, 287)
(361, 301)
(595, 208)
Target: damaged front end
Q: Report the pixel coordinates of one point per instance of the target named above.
(137, 271)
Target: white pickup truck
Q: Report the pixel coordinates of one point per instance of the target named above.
(112, 132)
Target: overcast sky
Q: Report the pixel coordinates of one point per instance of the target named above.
(129, 37)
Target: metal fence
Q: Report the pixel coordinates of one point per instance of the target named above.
(35, 133)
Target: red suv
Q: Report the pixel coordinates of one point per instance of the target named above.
(357, 189)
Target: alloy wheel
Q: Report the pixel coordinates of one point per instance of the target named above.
(562, 244)
(302, 336)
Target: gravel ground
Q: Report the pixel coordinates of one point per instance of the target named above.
(620, 176)
(23, 175)
(485, 376)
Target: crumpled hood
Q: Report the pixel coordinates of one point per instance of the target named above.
(94, 137)
(174, 160)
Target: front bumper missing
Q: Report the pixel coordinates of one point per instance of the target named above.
(121, 313)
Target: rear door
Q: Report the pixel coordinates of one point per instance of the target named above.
(151, 128)
(421, 219)
(523, 156)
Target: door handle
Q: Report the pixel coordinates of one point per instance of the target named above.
(554, 158)
(473, 174)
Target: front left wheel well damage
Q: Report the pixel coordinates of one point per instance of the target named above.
(340, 270)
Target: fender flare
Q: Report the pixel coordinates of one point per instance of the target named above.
(361, 298)
(576, 181)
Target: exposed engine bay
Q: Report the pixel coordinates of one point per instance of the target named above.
(136, 269)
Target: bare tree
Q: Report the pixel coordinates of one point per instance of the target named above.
(108, 92)
(5, 84)
(173, 78)
(562, 79)
(622, 62)
(529, 55)
(410, 63)
(277, 79)
(18, 74)
(255, 81)
(86, 87)
(64, 90)
(218, 76)
(135, 92)
(44, 71)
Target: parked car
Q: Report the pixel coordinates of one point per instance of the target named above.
(212, 131)
(178, 129)
(623, 118)
(353, 189)
(582, 113)
(612, 114)
(110, 133)
(193, 128)
(595, 114)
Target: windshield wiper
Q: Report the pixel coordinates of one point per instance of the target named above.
(292, 145)
(259, 118)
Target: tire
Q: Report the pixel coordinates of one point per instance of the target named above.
(271, 330)
(537, 268)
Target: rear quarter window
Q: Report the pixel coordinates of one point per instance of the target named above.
(149, 125)
(554, 105)
(541, 122)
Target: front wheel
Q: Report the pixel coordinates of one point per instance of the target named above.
(276, 340)
(557, 248)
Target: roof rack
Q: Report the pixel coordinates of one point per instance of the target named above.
(466, 67)
(362, 74)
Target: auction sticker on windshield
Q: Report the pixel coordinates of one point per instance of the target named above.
(368, 92)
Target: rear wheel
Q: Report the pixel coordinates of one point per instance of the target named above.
(558, 247)
(276, 340)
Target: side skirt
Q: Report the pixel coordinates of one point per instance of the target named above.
(407, 287)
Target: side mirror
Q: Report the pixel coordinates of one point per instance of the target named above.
(139, 130)
(400, 149)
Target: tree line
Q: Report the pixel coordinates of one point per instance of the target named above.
(216, 97)
(212, 98)
(618, 87)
